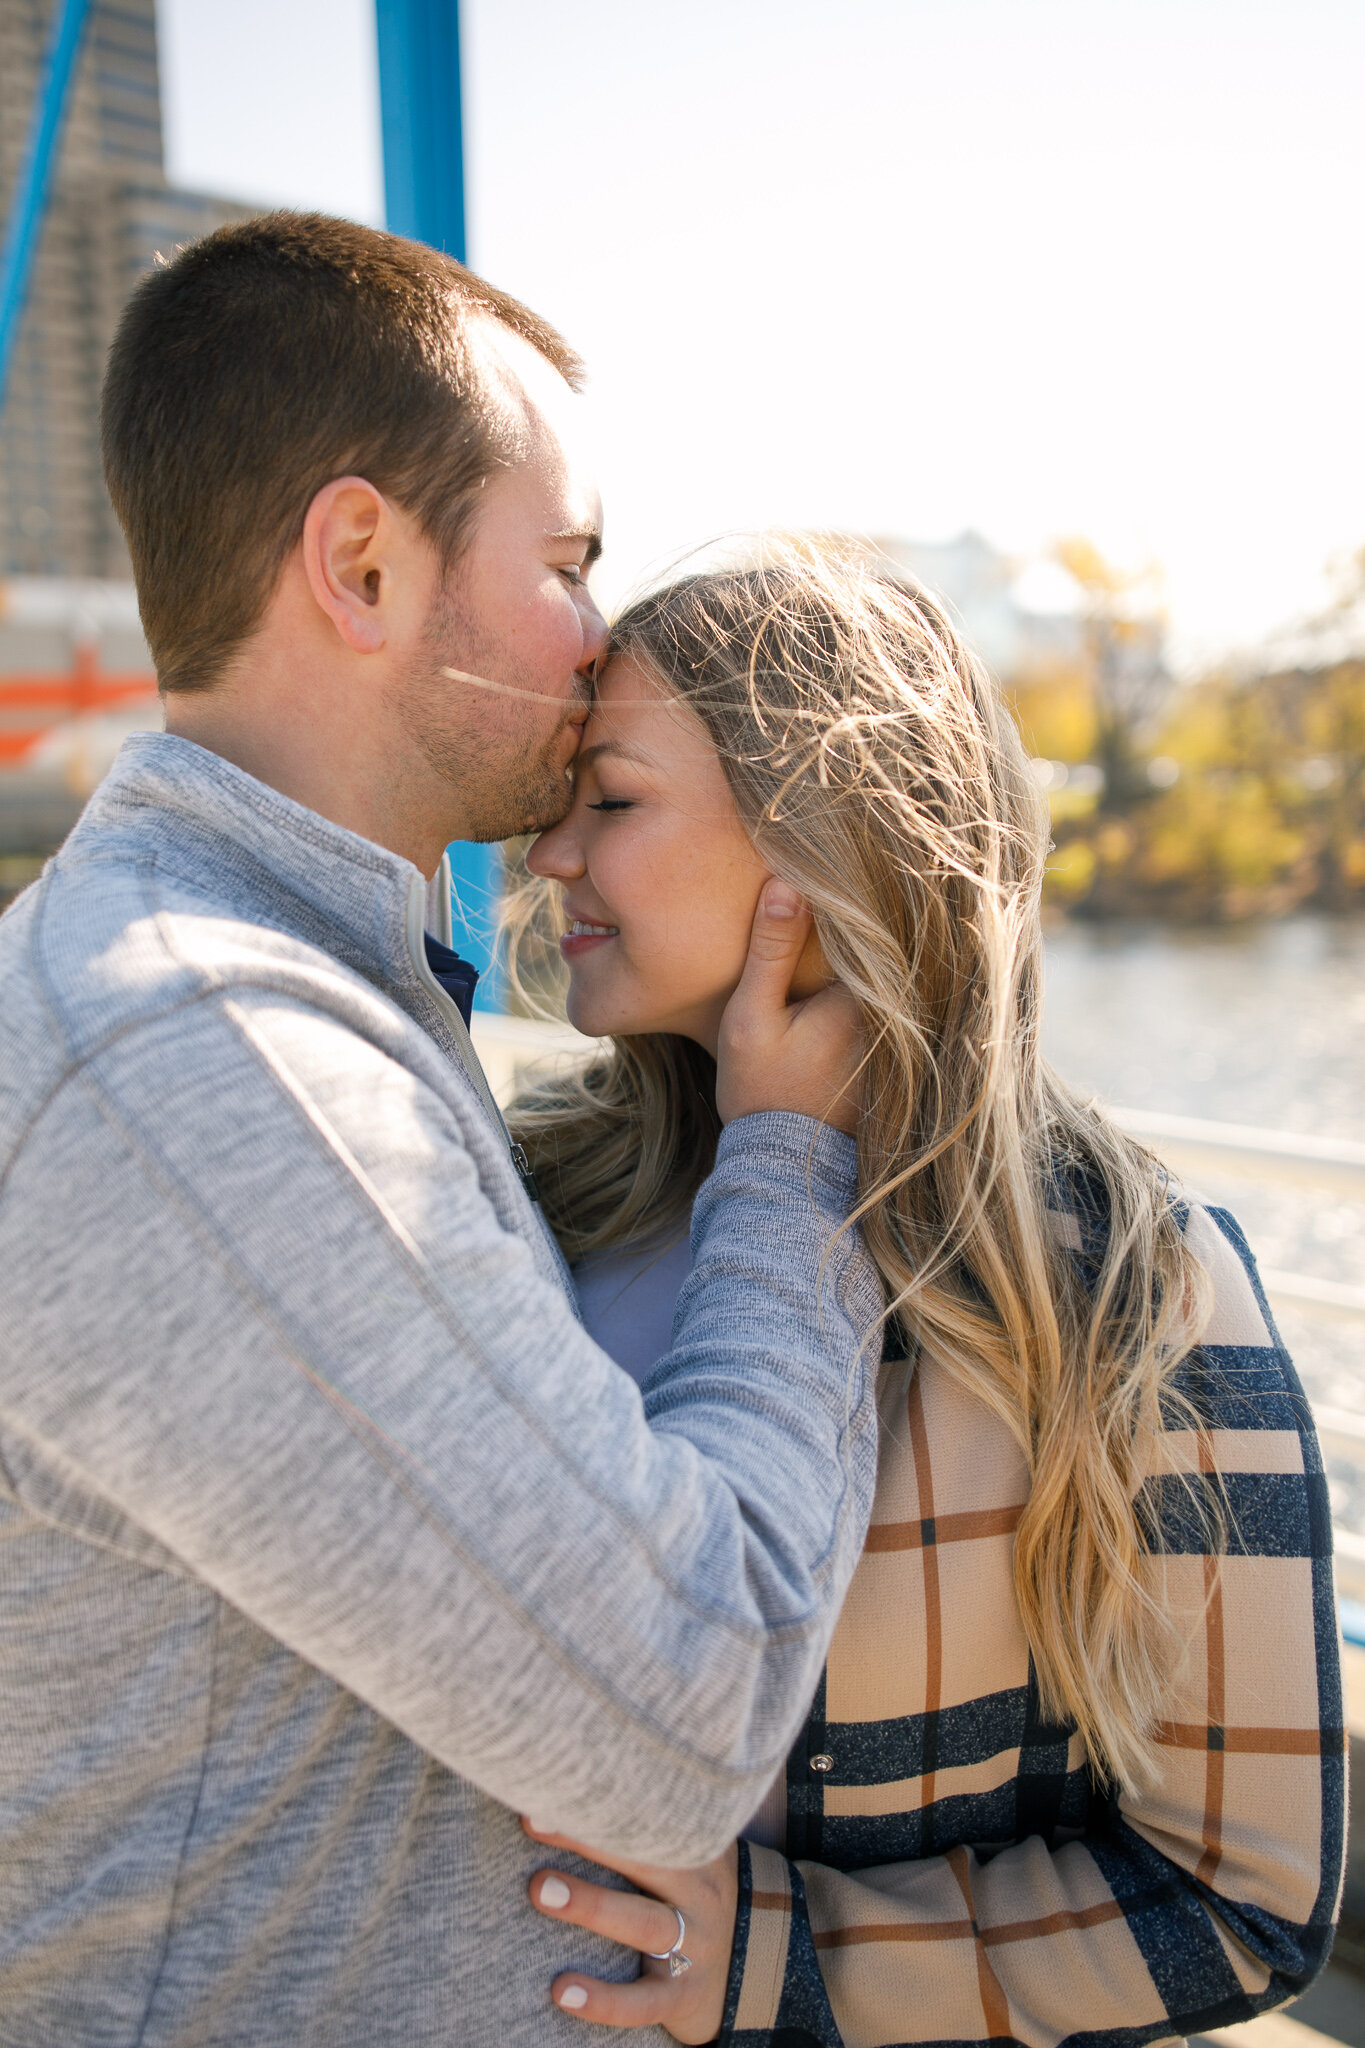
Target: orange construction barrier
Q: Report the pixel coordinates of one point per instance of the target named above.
(55, 698)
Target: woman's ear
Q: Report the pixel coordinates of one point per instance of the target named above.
(812, 970)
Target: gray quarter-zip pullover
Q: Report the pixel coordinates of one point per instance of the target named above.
(329, 1540)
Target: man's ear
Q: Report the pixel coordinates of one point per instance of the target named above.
(348, 541)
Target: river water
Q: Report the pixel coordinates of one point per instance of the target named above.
(1259, 1025)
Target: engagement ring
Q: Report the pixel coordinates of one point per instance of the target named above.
(674, 1957)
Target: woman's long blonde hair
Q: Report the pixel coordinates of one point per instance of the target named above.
(1024, 1241)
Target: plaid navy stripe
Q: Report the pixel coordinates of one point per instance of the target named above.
(804, 2015)
(966, 1824)
(1166, 1918)
(805, 1787)
(1280, 1514)
(1048, 1793)
(875, 1752)
(804, 2018)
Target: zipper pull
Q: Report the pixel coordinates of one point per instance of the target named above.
(524, 1173)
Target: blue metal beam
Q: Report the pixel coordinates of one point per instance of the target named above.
(419, 92)
(35, 174)
(419, 83)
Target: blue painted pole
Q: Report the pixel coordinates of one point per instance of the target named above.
(419, 92)
(35, 175)
(419, 85)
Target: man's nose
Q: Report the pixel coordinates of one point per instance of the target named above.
(594, 632)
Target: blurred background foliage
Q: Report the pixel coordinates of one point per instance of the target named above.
(1237, 793)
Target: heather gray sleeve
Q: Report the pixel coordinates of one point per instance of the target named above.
(275, 1320)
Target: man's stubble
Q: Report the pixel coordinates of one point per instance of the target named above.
(490, 748)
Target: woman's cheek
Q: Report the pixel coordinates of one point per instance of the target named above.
(741, 904)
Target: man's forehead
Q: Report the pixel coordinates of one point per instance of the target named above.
(542, 407)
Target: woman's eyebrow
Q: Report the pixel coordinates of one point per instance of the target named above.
(622, 748)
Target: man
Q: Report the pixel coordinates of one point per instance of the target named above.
(332, 1543)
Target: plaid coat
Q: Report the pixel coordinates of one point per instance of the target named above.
(952, 1874)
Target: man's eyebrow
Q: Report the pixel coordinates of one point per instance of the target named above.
(591, 537)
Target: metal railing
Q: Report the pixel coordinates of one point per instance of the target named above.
(1342, 1435)
(1192, 1145)
(1326, 1165)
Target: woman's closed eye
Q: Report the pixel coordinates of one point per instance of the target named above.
(612, 803)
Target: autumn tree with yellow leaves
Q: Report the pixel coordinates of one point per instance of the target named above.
(1240, 794)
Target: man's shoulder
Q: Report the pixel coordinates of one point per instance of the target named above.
(114, 932)
(103, 944)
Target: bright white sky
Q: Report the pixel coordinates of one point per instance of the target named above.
(901, 266)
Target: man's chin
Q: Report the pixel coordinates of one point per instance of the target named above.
(528, 811)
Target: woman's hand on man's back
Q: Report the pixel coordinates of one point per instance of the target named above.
(667, 1909)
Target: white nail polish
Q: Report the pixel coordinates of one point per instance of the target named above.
(573, 1998)
(554, 1892)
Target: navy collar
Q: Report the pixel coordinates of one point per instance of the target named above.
(459, 978)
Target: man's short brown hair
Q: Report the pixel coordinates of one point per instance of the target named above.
(260, 363)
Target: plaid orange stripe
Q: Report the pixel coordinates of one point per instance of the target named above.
(995, 2006)
(964, 1528)
(963, 1930)
(1207, 1868)
(933, 1608)
(1241, 1741)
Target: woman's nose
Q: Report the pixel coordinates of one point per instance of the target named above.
(556, 855)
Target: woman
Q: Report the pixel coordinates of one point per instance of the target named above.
(1076, 1764)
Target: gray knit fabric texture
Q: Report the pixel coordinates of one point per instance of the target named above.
(329, 1541)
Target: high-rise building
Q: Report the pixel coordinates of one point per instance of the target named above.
(110, 214)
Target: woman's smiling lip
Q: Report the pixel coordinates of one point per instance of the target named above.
(583, 935)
